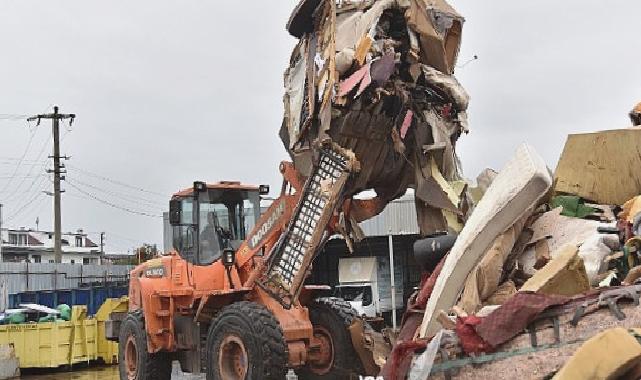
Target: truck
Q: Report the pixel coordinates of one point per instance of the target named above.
(365, 282)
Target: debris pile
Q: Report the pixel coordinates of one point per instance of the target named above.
(528, 263)
(544, 273)
(376, 78)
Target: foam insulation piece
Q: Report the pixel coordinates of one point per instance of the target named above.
(518, 188)
(565, 275)
(563, 230)
(594, 251)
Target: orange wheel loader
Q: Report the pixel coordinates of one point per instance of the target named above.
(231, 300)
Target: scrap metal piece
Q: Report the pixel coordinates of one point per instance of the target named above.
(369, 345)
(611, 298)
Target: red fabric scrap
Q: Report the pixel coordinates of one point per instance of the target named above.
(446, 110)
(397, 367)
(514, 315)
(428, 286)
(401, 359)
(471, 342)
(407, 122)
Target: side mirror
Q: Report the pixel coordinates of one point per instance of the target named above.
(175, 212)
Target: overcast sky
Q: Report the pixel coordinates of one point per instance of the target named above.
(168, 92)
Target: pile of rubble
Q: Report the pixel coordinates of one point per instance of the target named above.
(524, 272)
(544, 279)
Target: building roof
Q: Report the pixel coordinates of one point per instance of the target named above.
(44, 241)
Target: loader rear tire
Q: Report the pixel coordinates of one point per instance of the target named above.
(331, 318)
(245, 342)
(134, 361)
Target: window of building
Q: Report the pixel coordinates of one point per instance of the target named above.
(78, 241)
(87, 260)
(51, 261)
(73, 261)
(17, 239)
(36, 258)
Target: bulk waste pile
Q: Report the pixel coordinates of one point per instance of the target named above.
(528, 273)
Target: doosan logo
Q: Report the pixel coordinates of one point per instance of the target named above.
(267, 226)
(370, 377)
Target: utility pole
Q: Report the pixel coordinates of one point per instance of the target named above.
(57, 170)
(102, 246)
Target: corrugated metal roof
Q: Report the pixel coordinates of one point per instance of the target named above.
(398, 218)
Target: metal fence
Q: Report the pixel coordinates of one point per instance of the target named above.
(22, 277)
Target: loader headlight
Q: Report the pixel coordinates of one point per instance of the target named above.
(229, 257)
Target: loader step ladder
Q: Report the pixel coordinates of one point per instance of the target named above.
(292, 255)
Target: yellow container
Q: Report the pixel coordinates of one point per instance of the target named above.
(108, 350)
(54, 344)
(83, 342)
(39, 345)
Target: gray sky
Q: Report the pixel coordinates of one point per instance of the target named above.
(167, 92)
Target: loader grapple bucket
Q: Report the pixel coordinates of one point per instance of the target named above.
(292, 255)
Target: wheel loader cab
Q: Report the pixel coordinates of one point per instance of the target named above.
(209, 218)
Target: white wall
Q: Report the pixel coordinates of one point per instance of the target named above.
(67, 258)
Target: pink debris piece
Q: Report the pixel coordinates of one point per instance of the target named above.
(406, 123)
(348, 84)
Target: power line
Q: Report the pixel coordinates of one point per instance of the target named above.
(135, 198)
(87, 172)
(33, 165)
(11, 160)
(119, 236)
(24, 154)
(35, 206)
(9, 116)
(24, 177)
(113, 205)
(21, 209)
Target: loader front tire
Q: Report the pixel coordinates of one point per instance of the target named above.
(331, 318)
(134, 361)
(245, 342)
